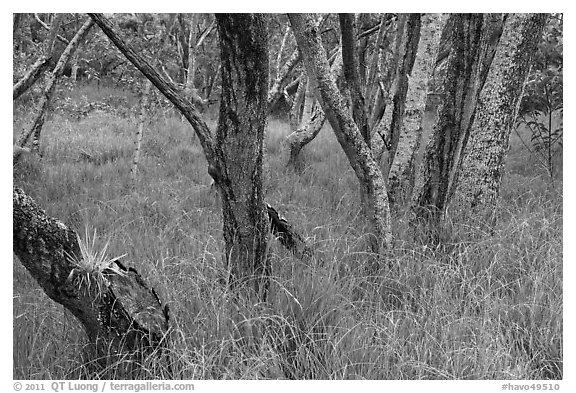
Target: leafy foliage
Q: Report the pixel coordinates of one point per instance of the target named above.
(542, 106)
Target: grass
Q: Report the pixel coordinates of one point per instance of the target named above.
(483, 306)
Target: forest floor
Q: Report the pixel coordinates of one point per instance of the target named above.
(479, 306)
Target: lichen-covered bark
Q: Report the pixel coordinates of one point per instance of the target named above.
(350, 67)
(401, 176)
(42, 64)
(239, 146)
(276, 89)
(35, 126)
(389, 110)
(140, 130)
(406, 55)
(117, 309)
(306, 133)
(472, 40)
(483, 167)
(346, 131)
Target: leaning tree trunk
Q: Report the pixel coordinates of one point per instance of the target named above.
(346, 131)
(277, 86)
(309, 129)
(239, 146)
(117, 309)
(401, 175)
(38, 119)
(483, 167)
(472, 40)
(286, 234)
(42, 64)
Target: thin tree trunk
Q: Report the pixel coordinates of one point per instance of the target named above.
(285, 39)
(276, 90)
(401, 176)
(54, 27)
(239, 145)
(191, 72)
(307, 105)
(42, 64)
(306, 133)
(483, 166)
(38, 119)
(295, 115)
(140, 130)
(117, 309)
(44, 61)
(351, 74)
(473, 40)
(346, 131)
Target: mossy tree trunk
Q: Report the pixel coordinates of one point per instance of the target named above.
(118, 310)
(239, 146)
(401, 175)
(347, 132)
(472, 41)
(483, 166)
(245, 108)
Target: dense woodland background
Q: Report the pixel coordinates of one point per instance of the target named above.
(416, 159)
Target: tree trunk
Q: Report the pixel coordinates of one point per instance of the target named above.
(351, 74)
(214, 154)
(117, 309)
(295, 115)
(347, 132)
(401, 176)
(140, 130)
(42, 64)
(276, 89)
(306, 133)
(38, 120)
(472, 41)
(483, 166)
(239, 145)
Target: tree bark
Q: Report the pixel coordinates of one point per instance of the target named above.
(401, 176)
(216, 168)
(118, 310)
(483, 166)
(277, 87)
(38, 120)
(239, 145)
(42, 64)
(308, 130)
(346, 131)
(140, 130)
(351, 74)
(472, 40)
(406, 57)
